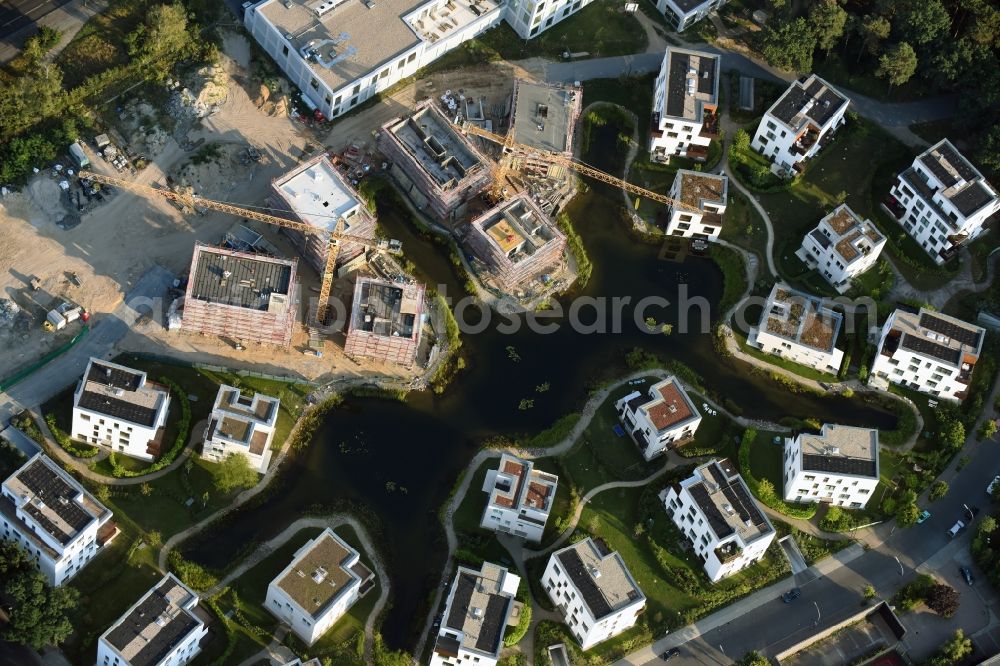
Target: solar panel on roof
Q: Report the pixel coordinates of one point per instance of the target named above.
(493, 625)
(838, 464)
(56, 495)
(950, 329)
(972, 197)
(957, 162)
(464, 587)
(930, 348)
(716, 520)
(577, 572)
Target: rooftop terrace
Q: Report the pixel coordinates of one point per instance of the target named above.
(960, 182)
(936, 335)
(692, 84)
(156, 624)
(726, 502)
(801, 318)
(841, 450)
(599, 576)
(121, 393)
(810, 100)
(518, 484)
(478, 608)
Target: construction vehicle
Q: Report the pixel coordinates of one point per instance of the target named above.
(193, 201)
(510, 147)
(63, 314)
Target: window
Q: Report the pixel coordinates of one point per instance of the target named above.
(356, 90)
(314, 84)
(85, 417)
(284, 50)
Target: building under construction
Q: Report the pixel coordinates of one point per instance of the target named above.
(385, 321)
(242, 296)
(433, 163)
(516, 241)
(316, 194)
(544, 116)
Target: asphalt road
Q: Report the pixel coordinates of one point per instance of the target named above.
(17, 14)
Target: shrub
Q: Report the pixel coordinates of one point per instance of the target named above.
(183, 429)
(67, 444)
(942, 599)
(514, 635)
(764, 489)
(938, 490)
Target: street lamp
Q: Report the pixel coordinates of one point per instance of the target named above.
(900, 565)
(816, 623)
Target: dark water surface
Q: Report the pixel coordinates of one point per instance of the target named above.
(422, 444)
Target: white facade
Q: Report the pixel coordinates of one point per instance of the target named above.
(838, 466)
(682, 14)
(715, 511)
(520, 498)
(51, 516)
(842, 247)
(661, 419)
(593, 590)
(241, 424)
(341, 53)
(797, 125)
(163, 628)
(942, 200)
(685, 105)
(117, 407)
(479, 608)
(705, 196)
(929, 352)
(324, 579)
(797, 326)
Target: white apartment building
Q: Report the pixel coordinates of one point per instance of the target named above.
(480, 605)
(715, 511)
(164, 628)
(593, 590)
(119, 408)
(838, 466)
(661, 419)
(685, 105)
(704, 196)
(841, 247)
(324, 579)
(342, 52)
(799, 123)
(520, 498)
(682, 14)
(797, 326)
(929, 352)
(241, 424)
(942, 200)
(51, 516)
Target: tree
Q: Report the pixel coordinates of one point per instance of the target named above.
(952, 435)
(828, 20)
(907, 514)
(154, 539)
(741, 140)
(103, 494)
(753, 658)
(952, 651)
(988, 429)
(938, 490)
(922, 21)
(790, 45)
(874, 30)
(234, 472)
(943, 599)
(39, 613)
(162, 39)
(988, 525)
(897, 64)
(145, 489)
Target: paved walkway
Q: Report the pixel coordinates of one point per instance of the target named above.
(333, 521)
(960, 284)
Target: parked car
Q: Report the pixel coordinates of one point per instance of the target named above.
(924, 515)
(955, 529)
(967, 575)
(791, 595)
(671, 653)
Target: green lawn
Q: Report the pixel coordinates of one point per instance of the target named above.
(791, 366)
(745, 227)
(765, 460)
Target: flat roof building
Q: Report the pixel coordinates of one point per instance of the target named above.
(520, 498)
(60, 524)
(593, 590)
(241, 424)
(117, 407)
(544, 116)
(682, 14)
(837, 466)
(479, 607)
(322, 582)
(246, 297)
(842, 247)
(662, 419)
(164, 628)
(434, 164)
(516, 241)
(685, 105)
(704, 196)
(385, 321)
(317, 195)
(799, 327)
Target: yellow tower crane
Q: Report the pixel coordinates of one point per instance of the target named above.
(193, 200)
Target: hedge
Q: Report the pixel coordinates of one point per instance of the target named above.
(67, 444)
(182, 437)
(514, 636)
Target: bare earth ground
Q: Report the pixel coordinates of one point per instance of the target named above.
(120, 239)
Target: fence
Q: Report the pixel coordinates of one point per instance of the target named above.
(8, 382)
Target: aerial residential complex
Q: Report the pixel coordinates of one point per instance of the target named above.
(385, 321)
(797, 326)
(321, 583)
(433, 163)
(317, 195)
(685, 105)
(929, 352)
(164, 628)
(480, 605)
(529, 18)
(117, 407)
(53, 518)
(704, 196)
(243, 296)
(660, 420)
(520, 498)
(241, 424)
(714, 509)
(593, 591)
(942, 200)
(544, 117)
(682, 14)
(799, 123)
(842, 247)
(838, 466)
(516, 241)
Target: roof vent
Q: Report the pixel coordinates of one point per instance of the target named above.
(319, 575)
(728, 508)
(317, 176)
(477, 613)
(594, 571)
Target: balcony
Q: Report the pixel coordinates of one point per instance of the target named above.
(965, 373)
(710, 126)
(698, 153)
(894, 207)
(806, 141)
(654, 126)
